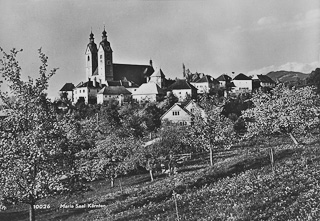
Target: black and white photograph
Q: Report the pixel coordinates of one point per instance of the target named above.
(160, 110)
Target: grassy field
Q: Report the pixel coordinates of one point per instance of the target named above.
(240, 186)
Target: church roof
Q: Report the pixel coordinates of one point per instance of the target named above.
(89, 84)
(92, 46)
(181, 84)
(134, 73)
(67, 87)
(149, 88)
(124, 82)
(114, 90)
(207, 78)
(242, 77)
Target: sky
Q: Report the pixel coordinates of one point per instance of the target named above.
(208, 36)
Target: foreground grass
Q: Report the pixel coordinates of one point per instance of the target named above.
(240, 187)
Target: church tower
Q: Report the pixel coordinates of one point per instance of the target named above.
(91, 55)
(105, 63)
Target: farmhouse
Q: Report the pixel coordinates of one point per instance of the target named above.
(183, 90)
(183, 113)
(206, 84)
(119, 93)
(243, 84)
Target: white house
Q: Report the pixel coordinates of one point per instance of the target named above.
(119, 93)
(177, 114)
(148, 92)
(243, 84)
(183, 89)
(206, 84)
(87, 91)
(184, 113)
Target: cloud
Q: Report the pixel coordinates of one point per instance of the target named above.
(267, 20)
(290, 66)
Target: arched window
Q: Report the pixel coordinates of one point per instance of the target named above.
(88, 58)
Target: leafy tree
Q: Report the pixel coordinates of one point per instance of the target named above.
(214, 132)
(109, 159)
(33, 143)
(284, 110)
(314, 79)
(151, 117)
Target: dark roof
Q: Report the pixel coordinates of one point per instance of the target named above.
(207, 78)
(89, 84)
(265, 79)
(114, 90)
(125, 83)
(134, 73)
(241, 77)
(95, 72)
(181, 84)
(93, 47)
(67, 87)
(224, 77)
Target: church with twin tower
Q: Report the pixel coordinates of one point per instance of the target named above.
(101, 68)
(103, 76)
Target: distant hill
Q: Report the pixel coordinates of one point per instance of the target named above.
(286, 76)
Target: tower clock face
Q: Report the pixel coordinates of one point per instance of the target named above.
(108, 48)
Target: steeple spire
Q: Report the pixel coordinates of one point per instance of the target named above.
(91, 36)
(104, 33)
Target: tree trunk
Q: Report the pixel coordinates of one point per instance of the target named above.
(271, 152)
(294, 139)
(112, 182)
(32, 215)
(120, 184)
(151, 175)
(211, 157)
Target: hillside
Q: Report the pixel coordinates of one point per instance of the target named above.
(286, 76)
(240, 186)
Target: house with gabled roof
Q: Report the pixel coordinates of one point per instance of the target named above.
(177, 114)
(119, 93)
(243, 84)
(149, 92)
(67, 91)
(206, 84)
(224, 81)
(266, 81)
(182, 89)
(183, 113)
(87, 91)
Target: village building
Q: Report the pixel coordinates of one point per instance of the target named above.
(183, 113)
(243, 84)
(158, 77)
(183, 90)
(66, 92)
(118, 93)
(266, 81)
(206, 85)
(87, 92)
(149, 92)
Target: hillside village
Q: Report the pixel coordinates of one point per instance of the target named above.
(110, 81)
(129, 143)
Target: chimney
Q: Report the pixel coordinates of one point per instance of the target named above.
(150, 63)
